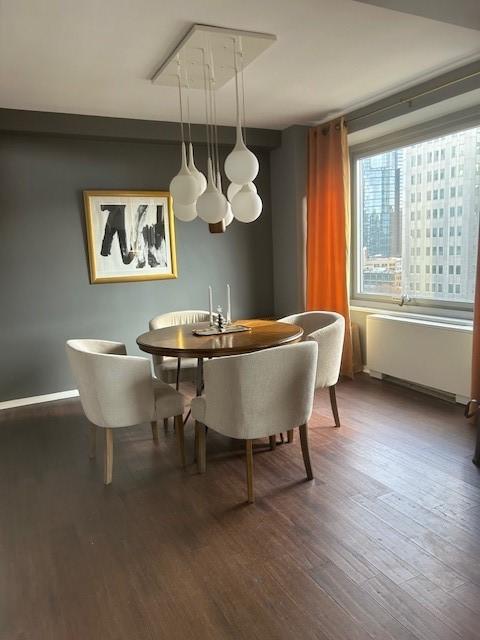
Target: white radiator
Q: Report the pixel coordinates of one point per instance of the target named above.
(431, 353)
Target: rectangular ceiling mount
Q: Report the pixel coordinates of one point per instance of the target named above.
(207, 42)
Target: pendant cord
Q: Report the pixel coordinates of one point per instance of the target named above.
(243, 91)
(206, 102)
(214, 114)
(235, 66)
(180, 101)
(187, 81)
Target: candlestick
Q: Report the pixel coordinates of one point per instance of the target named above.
(210, 304)
(229, 308)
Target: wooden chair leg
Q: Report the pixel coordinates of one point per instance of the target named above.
(333, 402)
(92, 444)
(165, 424)
(154, 424)
(273, 442)
(249, 455)
(305, 451)
(108, 456)
(290, 435)
(201, 447)
(180, 439)
(179, 365)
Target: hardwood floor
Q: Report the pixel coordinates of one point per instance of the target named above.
(383, 544)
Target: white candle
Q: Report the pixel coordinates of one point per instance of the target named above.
(229, 308)
(210, 304)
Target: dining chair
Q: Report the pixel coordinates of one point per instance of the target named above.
(256, 395)
(117, 390)
(327, 329)
(172, 369)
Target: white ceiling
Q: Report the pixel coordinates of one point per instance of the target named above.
(96, 56)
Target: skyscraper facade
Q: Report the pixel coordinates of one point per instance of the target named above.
(442, 202)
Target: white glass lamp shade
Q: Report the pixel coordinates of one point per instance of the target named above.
(229, 216)
(202, 181)
(241, 165)
(212, 204)
(246, 204)
(185, 212)
(234, 188)
(184, 187)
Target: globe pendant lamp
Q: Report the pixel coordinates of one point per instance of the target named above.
(241, 165)
(198, 175)
(212, 204)
(184, 187)
(185, 212)
(234, 188)
(246, 204)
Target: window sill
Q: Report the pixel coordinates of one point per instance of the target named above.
(449, 316)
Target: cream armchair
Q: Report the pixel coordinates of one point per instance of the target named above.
(117, 390)
(257, 395)
(327, 329)
(172, 369)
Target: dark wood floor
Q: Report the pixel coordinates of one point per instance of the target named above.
(384, 543)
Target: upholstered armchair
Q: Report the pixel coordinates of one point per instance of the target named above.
(117, 390)
(257, 395)
(174, 369)
(327, 329)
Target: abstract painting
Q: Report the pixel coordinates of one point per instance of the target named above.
(130, 235)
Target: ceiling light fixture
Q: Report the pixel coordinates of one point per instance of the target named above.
(203, 60)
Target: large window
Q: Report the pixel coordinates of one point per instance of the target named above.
(417, 215)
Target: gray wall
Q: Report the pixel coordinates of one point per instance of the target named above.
(288, 166)
(44, 279)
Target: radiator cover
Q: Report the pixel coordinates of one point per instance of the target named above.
(431, 353)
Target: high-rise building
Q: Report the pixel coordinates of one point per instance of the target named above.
(442, 201)
(381, 204)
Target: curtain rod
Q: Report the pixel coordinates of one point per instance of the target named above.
(411, 98)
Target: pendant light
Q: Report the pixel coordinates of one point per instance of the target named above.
(241, 165)
(234, 188)
(184, 187)
(212, 205)
(246, 204)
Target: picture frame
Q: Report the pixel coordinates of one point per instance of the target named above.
(130, 236)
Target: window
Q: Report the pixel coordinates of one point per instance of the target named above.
(397, 242)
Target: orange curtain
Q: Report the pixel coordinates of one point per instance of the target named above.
(328, 226)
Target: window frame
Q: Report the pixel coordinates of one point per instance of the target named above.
(420, 133)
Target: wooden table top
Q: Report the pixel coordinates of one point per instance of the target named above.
(180, 342)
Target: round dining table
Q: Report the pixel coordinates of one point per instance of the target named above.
(179, 341)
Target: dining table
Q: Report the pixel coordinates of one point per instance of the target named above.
(180, 341)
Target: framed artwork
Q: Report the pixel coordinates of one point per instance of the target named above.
(131, 235)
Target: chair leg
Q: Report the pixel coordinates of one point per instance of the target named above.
(201, 447)
(154, 424)
(165, 424)
(273, 442)
(92, 444)
(249, 453)
(290, 435)
(179, 364)
(108, 456)
(333, 402)
(180, 439)
(305, 451)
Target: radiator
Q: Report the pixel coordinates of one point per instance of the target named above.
(430, 353)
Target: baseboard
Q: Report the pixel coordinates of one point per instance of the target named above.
(48, 397)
